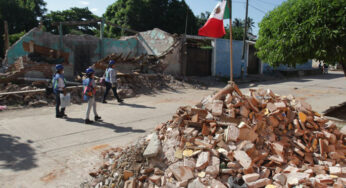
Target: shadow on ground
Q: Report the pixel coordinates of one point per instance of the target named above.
(16, 155)
(135, 105)
(293, 79)
(337, 111)
(116, 128)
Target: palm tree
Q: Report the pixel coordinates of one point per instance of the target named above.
(238, 23)
(250, 24)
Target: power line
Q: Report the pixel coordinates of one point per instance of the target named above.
(258, 9)
(269, 3)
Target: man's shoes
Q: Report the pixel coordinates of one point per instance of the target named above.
(59, 116)
(64, 115)
(121, 100)
(88, 121)
(98, 118)
(104, 102)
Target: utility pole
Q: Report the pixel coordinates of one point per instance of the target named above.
(245, 29)
(187, 17)
(6, 37)
(230, 38)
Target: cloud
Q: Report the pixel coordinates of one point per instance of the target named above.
(94, 9)
(84, 2)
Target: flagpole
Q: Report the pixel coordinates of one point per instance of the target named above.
(230, 38)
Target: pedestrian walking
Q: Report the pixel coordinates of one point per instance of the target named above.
(89, 91)
(325, 68)
(111, 81)
(59, 87)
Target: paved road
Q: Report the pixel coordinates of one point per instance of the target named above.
(37, 150)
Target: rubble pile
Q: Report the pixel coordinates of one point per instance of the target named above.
(129, 85)
(233, 140)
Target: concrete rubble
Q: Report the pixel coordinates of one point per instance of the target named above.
(129, 85)
(234, 140)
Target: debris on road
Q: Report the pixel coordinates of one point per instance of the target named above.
(129, 85)
(233, 140)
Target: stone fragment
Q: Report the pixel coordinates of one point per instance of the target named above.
(250, 177)
(335, 170)
(158, 172)
(155, 179)
(200, 142)
(244, 111)
(130, 183)
(259, 183)
(271, 107)
(302, 117)
(243, 159)
(188, 152)
(127, 174)
(280, 178)
(182, 173)
(264, 173)
(190, 162)
(205, 130)
(231, 133)
(217, 107)
(154, 146)
(214, 168)
(217, 184)
(203, 160)
(196, 183)
(178, 153)
(272, 121)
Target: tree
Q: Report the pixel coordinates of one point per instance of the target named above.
(73, 14)
(238, 23)
(250, 24)
(238, 28)
(19, 18)
(202, 19)
(36, 6)
(141, 15)
(299, 30)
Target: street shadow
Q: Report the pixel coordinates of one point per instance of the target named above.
(136, 105)
(116, 128)
(302, 79)
(16, 155)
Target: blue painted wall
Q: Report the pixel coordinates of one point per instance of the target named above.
(221, 62)
(306, 66)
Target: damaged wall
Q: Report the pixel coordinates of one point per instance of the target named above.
(77, 52)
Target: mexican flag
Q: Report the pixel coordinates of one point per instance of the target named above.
(214, 26)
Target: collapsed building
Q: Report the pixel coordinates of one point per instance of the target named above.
(36, 53)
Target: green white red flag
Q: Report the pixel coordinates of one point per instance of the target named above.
(214, 26)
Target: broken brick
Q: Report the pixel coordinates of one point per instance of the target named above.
(203, 160)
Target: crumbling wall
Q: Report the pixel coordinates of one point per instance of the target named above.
(76, 52)
(156, 42)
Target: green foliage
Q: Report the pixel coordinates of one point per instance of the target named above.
(141, 15)
(299, 30)
(36, 6)
(19, 15)
(73, 14)
(238, 28)
(14, 37)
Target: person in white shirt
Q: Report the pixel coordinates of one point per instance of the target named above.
(111, 82)
(59, 87)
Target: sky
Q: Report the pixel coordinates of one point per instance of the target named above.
(257, 8)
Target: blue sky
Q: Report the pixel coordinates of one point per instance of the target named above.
(257, 8)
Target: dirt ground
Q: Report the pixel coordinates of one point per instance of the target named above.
(38, 150)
